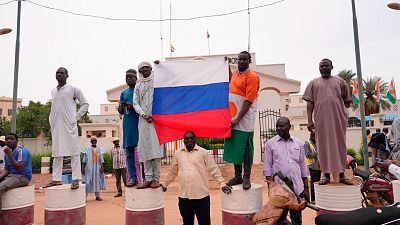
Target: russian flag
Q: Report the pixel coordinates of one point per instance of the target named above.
(191, 95)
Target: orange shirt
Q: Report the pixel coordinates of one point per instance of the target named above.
(246, 85)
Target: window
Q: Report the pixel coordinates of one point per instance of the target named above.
(9, 112)
(106, 108)
(1, 112)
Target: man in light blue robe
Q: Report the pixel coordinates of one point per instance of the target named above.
(92, 168)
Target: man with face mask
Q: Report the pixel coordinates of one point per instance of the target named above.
(327, 99)
(150, 150)
(243, 92)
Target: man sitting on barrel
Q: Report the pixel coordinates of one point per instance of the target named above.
(18, 166)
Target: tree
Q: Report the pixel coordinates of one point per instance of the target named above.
(33, 119)
(348, 76)
(371, 105)
(5, 126)
(84, 119)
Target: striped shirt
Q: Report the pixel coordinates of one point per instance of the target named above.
(118, 157)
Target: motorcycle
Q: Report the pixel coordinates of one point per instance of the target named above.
(389, 215)
(282, 198)
(376, 189)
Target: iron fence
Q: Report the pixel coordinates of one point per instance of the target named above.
(215, 147)
(267, 119)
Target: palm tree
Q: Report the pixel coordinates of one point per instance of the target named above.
(348, 76)
(370, 104)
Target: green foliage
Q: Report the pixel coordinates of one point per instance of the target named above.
(33, 119)
(108, 164)
(372, 106)
(37, 161)
(84, 119)
(5, 126)
(356, 155)
(216, 146)
(360, 161)
(347, 75)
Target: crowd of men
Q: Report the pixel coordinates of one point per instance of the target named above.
(325, 152)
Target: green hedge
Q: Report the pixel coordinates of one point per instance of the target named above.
(108, 165)
(37, 162)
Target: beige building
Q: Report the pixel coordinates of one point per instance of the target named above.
(6, 107)
(105, 126)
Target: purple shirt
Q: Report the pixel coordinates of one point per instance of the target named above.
(288, 157)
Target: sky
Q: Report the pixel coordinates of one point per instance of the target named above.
(97, 52)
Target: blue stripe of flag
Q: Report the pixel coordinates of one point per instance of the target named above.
(174, 100)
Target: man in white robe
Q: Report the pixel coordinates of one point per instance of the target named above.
(64, 129)
(150, 150)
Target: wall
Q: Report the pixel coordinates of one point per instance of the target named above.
(39, 145)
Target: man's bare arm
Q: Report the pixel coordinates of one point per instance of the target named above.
(310, 110)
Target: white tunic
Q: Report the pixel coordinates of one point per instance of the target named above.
(63, 119)
(149, 147)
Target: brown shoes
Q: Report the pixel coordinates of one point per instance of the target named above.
(146, 184)
(155, 184)
(149, 184)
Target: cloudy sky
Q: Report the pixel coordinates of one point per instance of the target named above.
(97, 52)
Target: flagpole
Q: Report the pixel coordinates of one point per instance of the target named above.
(208, 40)
(16, 71)
(170, 29)
(161, 33)
(360, 87)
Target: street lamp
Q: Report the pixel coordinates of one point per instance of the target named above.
(360, 86)
(5, 31)
(16, 69)
(394, 5)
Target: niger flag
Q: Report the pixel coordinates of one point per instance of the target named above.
(354, 94)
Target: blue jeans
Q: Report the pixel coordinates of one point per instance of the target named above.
(130, 159)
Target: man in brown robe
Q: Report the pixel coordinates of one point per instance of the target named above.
(327, 99)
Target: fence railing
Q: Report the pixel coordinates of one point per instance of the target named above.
(215, 147)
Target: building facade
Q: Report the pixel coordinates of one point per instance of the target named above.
(6, 107)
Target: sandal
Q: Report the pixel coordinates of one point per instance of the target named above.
(52, 184)
(324, 181)
(346, 181)
(74, 184)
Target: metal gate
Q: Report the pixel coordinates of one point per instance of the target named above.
(267, 120)
(215, 147)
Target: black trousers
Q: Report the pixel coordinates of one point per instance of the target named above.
(118, 173)
(246, 164)
(315, 177)
(199, 207)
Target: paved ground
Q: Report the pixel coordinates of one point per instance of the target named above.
(111, 211)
